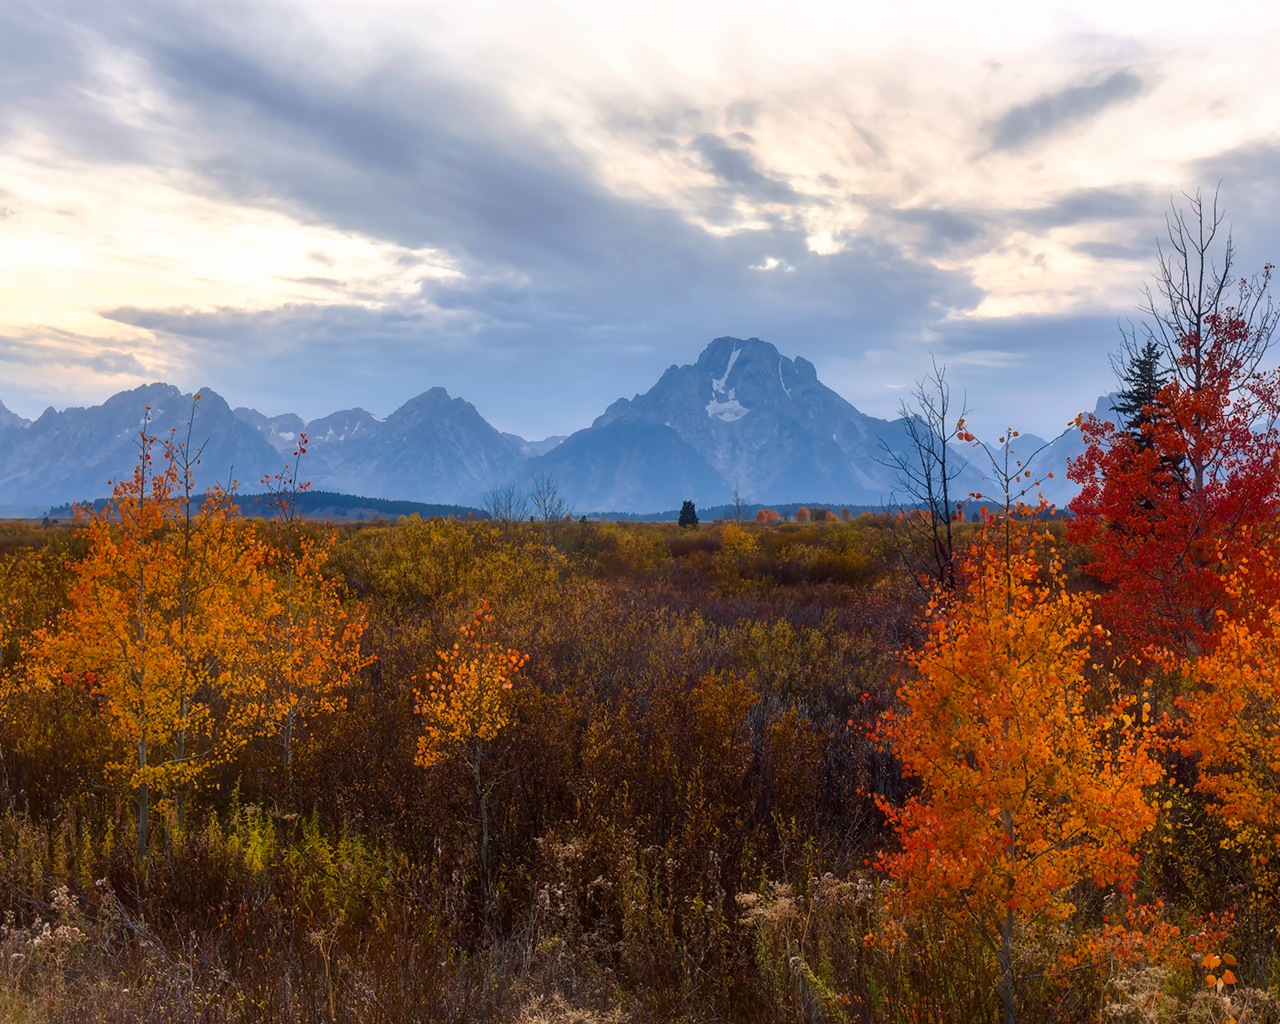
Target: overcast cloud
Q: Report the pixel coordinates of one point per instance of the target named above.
(310, 207)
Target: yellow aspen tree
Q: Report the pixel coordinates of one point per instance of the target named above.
(312, 648)
(465, 704)
(163, 617)
(1027, 787)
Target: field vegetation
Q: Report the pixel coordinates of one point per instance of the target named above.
(441, 770)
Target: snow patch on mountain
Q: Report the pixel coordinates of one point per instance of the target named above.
(727, 409)
(717, 386)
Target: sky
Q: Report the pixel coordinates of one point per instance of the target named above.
(540, 207)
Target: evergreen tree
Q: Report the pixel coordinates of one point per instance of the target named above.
(1143, 382)
(688, 514)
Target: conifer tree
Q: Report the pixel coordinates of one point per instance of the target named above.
(688, 514)
(1136, 403)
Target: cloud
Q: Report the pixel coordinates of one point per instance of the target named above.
(1091, 205)
(1056, 111)
(606, 289)
(1123, 251)
(942, 230)
(52, 347)
(1247, 178)
(737, 168)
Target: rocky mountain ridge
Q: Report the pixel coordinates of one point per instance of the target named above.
(742, 418)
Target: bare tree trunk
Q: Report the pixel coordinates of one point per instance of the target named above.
(1007, 990)
(1006, 970)
(143, 800)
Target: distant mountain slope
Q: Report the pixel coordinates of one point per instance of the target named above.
(73, 454)
(11, 419)
(1050, 457)
(762, 422)
(626, 468)
(433, 448)
(532, 449)
(281, 432)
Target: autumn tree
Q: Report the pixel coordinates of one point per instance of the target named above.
(1031, 780)
(311, 649)
(1230, 723)
(161, 626)
(464, 705)
(1172, 500)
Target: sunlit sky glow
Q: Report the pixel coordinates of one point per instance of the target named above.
(540, 207)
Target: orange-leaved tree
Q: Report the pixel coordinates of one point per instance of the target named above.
(1230, 719)
(163, 621)
(466, 703)
(1031, 780)
(312, 646)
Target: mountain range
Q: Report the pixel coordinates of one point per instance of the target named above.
(742, 419)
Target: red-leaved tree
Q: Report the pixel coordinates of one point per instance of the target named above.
(1167, 508)
(1170, 500)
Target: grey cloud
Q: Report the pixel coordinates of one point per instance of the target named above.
(1057, 110)
(1248, 182)
(943, 229)
(1069, 351)
(742, 114)
(1090, 205)
(507, 345)
(115, 362)
(47, 74)
(739, 169)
